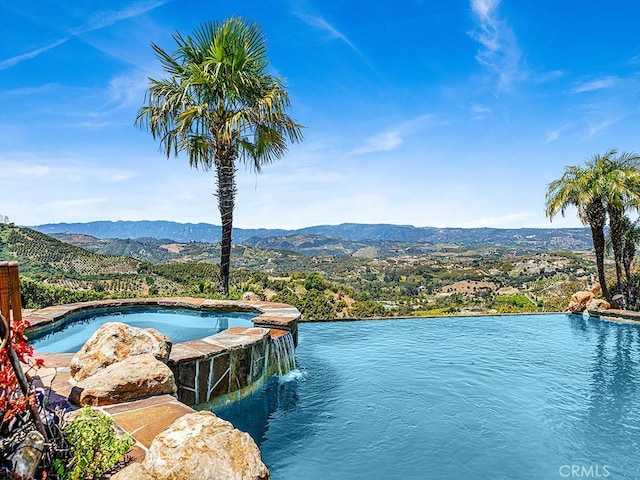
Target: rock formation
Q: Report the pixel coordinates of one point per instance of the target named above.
(132, 378)
(114, 342)
(597, 304)
(579, 301)
(121, 363)
(200, 446)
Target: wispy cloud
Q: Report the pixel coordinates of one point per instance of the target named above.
(499, 51)
(98, 21)
(634, 60)
(503, 221)
(382, 142)
(110, 17)
(548, 76)
(17, 92)
(595, 129)
(595, 84)
(553, 135)
(479, 112)
(17, 171)
(127, 90)
(323, 25)
(393, 137)
(10, 62)
(79, 202)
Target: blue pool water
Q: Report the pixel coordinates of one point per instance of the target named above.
(180, 325)
(513, 397)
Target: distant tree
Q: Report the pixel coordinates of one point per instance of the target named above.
(219, 105)
(314, 305)
(368, 309)
(315, 281)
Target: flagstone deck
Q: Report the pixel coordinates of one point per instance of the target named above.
(223, 367)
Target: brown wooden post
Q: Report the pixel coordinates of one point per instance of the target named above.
(5, 305)
(14, 287)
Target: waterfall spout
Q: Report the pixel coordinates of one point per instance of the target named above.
(284, 353)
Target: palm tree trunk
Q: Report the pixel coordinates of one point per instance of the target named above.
(226, 201)
(617, 240)
(597, 235)
(628, 253)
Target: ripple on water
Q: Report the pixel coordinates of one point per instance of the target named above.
(482, 398)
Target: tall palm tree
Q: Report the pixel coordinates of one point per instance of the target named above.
(219, 105)
(581, 187)
(620, 183)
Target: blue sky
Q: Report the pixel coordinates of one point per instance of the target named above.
(431, 113)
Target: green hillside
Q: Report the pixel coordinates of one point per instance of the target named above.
(438, 280)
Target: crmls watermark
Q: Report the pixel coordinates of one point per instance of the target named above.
(584, 471)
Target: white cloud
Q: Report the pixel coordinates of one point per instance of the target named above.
(121, 177)
(499, 51)
(548, 76)
(128, 89)
(321, 24)
(77, 202)
(594, 129)
(393, 137)
(596, 84)
(553, 135)
(503, 221)
(479, 112)
(26, 91)
(381, 142)
(10, 62)
(109, 17)
(97, 22)
(16, 171)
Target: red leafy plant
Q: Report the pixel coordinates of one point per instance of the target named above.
(12, 401)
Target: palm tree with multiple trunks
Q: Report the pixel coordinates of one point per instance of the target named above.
(607, 185)
(580, 187)
(219, 105)
(621, 185)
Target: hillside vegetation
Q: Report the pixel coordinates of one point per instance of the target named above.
(391, 279)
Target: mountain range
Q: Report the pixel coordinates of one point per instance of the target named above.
(375, 235)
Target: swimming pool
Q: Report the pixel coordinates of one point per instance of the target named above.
(180, 325)
(511, 397)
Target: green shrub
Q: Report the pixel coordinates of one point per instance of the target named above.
(514, 304)
(95, 445)
(367, 309)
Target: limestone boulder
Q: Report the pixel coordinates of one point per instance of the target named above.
(250, 297)
(597, 304)
(114, 342)
(579, 301)
(134, 471)
(201, 446)
(130, 379)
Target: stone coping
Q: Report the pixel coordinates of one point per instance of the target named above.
(278, 315)
(614, 315)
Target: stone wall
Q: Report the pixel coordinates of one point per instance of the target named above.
(224, 367)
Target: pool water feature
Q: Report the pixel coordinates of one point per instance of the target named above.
(180, 325)
(284, 354)
(526, 397)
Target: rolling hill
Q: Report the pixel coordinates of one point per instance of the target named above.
(323, 236)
